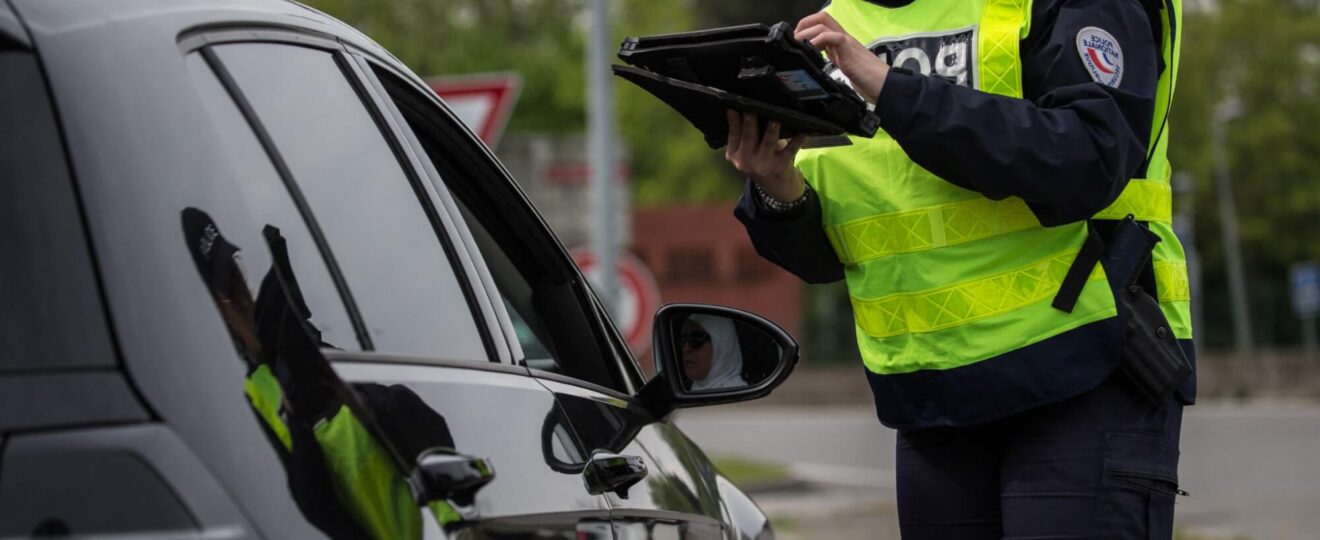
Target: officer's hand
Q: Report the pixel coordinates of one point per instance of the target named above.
(866, 70)
(765, 158)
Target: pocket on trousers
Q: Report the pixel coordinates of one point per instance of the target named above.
(1139, 485)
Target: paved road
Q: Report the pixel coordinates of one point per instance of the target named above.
(1252, 471)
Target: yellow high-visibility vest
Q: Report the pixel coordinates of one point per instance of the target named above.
(941, 277)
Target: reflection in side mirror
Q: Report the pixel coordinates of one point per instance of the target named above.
(442, 473)
(718, 353)
(712, 354)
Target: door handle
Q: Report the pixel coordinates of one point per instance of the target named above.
(610, 472)
(444, 474)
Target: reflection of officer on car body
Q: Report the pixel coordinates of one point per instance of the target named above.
(1016, 138)
(345, 480)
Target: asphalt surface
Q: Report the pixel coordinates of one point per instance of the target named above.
(1253, 471)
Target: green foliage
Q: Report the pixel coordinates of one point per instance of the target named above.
(539, 39)
(1267, 53)
(543, 41)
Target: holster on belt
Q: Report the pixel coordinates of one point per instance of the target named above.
(1152, 358)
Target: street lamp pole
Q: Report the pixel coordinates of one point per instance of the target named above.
(1225, 111)
(600, 126)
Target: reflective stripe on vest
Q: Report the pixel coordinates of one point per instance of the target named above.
(961, 303)
(951, 224)
(1003, 24)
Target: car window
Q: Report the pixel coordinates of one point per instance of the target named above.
(261, 199)
(51, 310)
(410, 299)
(552, 314)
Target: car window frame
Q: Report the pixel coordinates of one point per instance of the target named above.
(538, 234)
(202, 40)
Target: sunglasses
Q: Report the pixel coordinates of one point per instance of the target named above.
(693, 340)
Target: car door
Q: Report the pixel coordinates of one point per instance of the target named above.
(559, 333)
(421, 329)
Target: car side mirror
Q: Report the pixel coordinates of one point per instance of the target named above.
(707, 354)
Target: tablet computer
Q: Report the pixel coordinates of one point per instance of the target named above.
(751, 68)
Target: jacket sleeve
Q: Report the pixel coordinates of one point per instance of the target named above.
(795, 241)
(1067, 149)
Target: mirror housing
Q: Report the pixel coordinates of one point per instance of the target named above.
(671, 389)
(444, 474)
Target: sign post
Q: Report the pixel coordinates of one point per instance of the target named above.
(1305, 280)
(637, 297)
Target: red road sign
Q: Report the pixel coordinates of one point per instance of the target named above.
(482, 101)
(638, 296)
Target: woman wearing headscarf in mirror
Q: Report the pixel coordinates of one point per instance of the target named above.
(712, 356)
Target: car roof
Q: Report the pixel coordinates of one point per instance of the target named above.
(48, 20)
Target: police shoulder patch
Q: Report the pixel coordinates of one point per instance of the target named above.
(1101, 55)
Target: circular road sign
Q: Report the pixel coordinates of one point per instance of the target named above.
(637, 297)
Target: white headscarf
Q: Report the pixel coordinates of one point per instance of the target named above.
(726, 355)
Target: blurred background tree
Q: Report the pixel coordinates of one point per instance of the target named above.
(1266, 53)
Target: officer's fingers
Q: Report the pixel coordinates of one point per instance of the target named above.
(790, 147)
(828, 38)
(735, 134)
(836, 46)
(810, 33)
(828, 20)
(769, 140)
(751, 138)
(808, 22)
(814, 19)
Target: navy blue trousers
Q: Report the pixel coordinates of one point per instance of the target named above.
(1100, 465)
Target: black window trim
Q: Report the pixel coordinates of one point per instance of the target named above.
(445, 220)
(295, 193)
(202, 39)
(11, 28)
(369, 357)
(551, 254)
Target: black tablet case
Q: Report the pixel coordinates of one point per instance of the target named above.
(751, 68)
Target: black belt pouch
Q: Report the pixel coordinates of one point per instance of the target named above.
(1152, 358)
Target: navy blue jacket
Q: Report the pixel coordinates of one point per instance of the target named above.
(1068, 149)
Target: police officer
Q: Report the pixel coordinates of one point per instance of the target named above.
(1012, 132)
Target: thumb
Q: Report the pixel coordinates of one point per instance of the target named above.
(791, 148)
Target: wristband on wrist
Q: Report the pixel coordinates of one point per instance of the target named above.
(775, 206)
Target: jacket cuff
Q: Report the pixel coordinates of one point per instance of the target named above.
(750, 204)
(897, 101)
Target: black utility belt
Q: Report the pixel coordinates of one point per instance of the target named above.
(1152, 358)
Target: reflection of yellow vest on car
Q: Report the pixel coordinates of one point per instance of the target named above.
(942, 278)
(367, 484)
